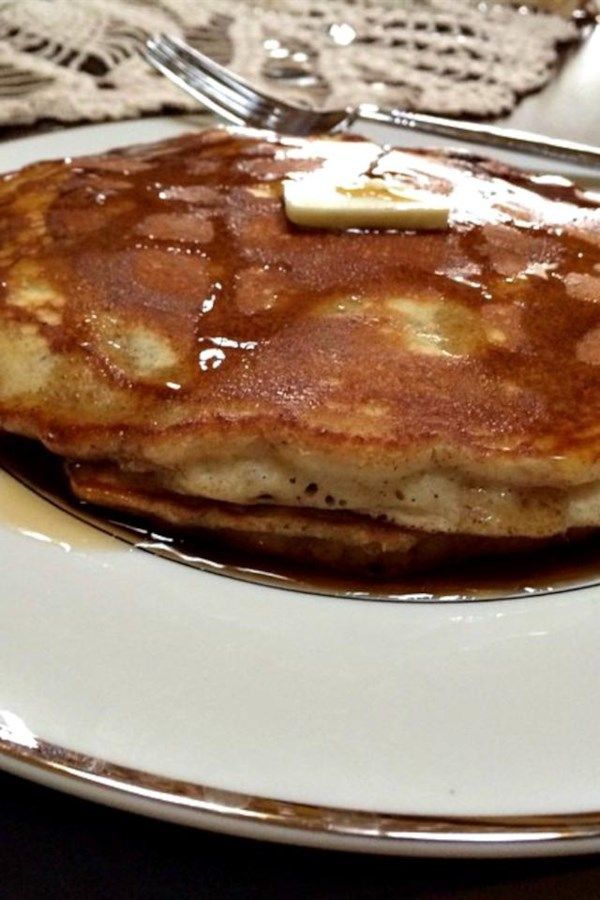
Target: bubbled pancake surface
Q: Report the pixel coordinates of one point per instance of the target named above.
(158, 310)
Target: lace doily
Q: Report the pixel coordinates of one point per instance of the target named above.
(79, 60)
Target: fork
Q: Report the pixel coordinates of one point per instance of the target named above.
(233, 98)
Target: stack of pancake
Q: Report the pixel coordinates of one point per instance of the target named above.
(367, 399)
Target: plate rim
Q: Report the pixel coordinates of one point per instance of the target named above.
(286, 821)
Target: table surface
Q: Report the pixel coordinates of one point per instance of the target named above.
(52, 845)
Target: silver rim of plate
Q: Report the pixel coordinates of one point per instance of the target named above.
(285, 821)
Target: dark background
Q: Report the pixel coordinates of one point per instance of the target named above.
(52, 845)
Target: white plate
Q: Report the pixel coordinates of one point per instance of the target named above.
(456, 729)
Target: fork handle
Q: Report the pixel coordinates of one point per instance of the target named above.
(490, 135)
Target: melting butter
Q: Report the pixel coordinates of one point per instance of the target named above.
(317, 201)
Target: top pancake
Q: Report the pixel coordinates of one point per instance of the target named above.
(159, 310)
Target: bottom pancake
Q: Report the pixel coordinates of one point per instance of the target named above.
(334, 540)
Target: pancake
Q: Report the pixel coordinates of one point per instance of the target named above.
(158, 312)
(343, 542)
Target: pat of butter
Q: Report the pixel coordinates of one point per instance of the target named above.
(316, 201)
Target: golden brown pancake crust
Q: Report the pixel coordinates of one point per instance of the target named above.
(157, 308)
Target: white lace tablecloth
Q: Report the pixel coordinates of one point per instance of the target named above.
(78, 59)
